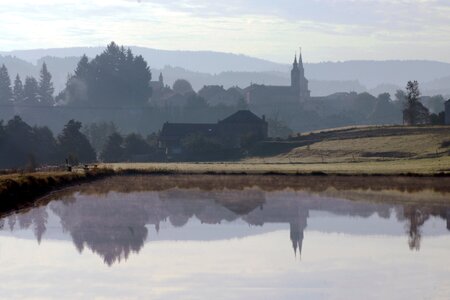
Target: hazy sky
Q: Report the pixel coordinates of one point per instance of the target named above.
(328, 30)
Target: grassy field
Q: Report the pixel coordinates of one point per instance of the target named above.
(369, 144)
(429, 166)
(390, 150)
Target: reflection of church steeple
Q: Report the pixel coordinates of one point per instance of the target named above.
(297, 228)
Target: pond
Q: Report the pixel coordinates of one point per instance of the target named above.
(200, 237)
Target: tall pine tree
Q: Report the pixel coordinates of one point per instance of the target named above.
(18, 90)
(31, 91)
(46, 88)
(5, 85)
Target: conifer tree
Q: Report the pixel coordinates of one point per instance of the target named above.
(46, 88)
(18, 90)
(5, 85)
(115, 77)
(31, 91)
(73, 143)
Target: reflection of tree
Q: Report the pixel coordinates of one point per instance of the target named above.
(114, 225)
(11, 221)
(416, 217)
(25, 220)
(40, 222)
(110, 227)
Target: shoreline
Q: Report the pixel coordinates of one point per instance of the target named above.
(20, 190)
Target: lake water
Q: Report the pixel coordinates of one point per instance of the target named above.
(122, 238)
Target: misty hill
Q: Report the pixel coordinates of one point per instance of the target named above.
(206, 68)
(61, 67)
(199, 61)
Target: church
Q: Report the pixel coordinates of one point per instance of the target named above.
(297, 92)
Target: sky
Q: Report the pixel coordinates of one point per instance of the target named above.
(327, 30)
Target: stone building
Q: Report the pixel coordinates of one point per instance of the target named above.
(260, 94)
(230, 132)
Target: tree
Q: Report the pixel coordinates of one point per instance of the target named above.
(5, 85)
(46, 148)
(437, 119)
(414, 112)
(73, 143)
(18, 90)
(46, 89)
(134, 144)
(113, 150)
(182, 87)
(31, 91)
(98, 133)
(400, 96)
(83, 67)
(278, 129)
(115, 77)
(19, 143)
(385, 112)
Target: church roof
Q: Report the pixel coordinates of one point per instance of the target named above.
(243, 116)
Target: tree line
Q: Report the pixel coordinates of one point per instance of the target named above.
(29, 147)
(32, 92)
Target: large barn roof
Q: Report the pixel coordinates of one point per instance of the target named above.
(243, 116)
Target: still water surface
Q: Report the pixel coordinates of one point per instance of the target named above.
(117, 239)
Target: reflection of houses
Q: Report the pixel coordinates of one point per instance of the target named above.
(230, 131)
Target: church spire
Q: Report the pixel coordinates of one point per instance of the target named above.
(300, 59)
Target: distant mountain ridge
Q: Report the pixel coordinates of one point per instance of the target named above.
(216, 68)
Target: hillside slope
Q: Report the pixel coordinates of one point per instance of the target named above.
(368, 144)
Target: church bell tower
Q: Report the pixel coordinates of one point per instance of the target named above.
(295, 75)
(298, 80)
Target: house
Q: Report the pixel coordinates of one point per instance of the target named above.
(230, 132)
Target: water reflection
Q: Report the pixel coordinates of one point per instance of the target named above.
(115, 222)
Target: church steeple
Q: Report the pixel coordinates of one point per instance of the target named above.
(295, 74)
(300, 59)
